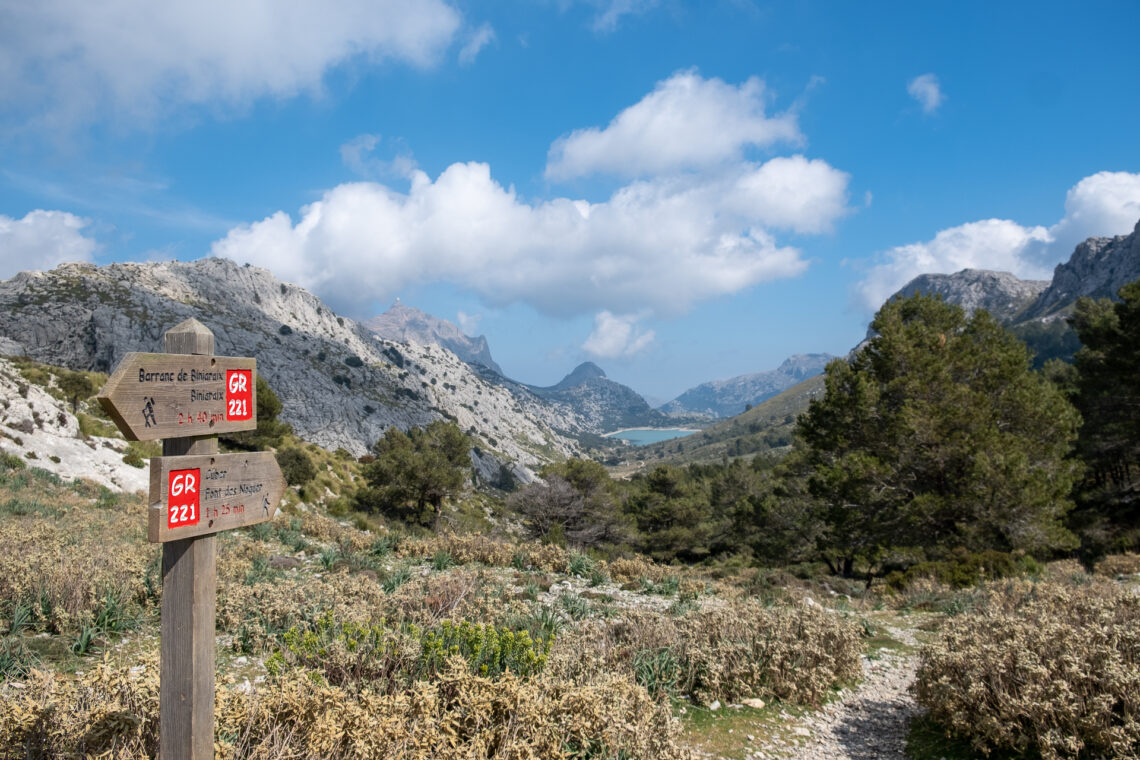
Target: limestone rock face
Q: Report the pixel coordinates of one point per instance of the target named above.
(341, 385)
(1097, 269)
(406, 324)
(727, 398)
(41, 430)
(1000, 293)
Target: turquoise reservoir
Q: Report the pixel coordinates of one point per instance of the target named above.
(646, 436)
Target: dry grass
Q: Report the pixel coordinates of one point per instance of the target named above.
(1051, 667)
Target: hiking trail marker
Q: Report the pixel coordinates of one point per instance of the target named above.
(186, 397)
(153, 396)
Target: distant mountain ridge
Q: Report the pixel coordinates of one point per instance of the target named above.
(1035, 310)
(1000, 293)
(605, 404)
(586, 399)
(407, 324)
(1097, 268)
(340, 384)
(727, 398)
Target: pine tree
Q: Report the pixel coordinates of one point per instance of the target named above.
(414, 473)
(937, 435)
(1106, 390)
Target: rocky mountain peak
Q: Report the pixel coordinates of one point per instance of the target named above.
(407, 324)
(1097, 269)
(582, 373)
(1000, 293)
(340, 384)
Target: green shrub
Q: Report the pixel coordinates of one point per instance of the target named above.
(1045, 667)
(392, 658)
(297, 466)
(15, 659)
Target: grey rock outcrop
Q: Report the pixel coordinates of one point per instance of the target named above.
(727, 398)
(1000, 293)
(407, 324)
(341, 386)
(1097, 269)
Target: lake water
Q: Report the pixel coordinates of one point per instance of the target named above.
(646, 436)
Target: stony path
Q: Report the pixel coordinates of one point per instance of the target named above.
(868, 722)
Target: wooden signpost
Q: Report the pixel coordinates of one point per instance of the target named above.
(186, 397)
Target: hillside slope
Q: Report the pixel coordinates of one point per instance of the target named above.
(725, 398)
(341, 386)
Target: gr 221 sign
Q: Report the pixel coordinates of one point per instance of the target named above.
(153, 396)
(183, 504)
(197, 494)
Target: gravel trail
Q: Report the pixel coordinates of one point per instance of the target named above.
(868, 722)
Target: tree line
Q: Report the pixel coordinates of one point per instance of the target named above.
(937, 437)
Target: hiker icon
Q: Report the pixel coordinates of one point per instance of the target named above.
(148, 412)
(265, 504)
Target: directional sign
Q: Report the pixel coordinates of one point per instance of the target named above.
(152, 396)
(205, 493)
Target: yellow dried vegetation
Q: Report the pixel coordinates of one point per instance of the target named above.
(1047, 667)
(797, 654)
(64, 550)
(109, 713)
(488, 551)
(1116, 565)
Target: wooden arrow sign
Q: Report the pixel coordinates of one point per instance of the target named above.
(152, 396)
(201, 494)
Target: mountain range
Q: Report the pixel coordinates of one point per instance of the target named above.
(344, 383)
(728, 398)
(1036, 310)
(407, 324)
(340, 384)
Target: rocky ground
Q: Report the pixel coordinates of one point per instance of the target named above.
(41, 429)
(869, 721)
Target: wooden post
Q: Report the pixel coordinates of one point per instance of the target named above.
(189, 582)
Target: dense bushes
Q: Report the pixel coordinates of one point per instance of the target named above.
(458, 716)
(296, 466)
(796, 654)
(1046, 667)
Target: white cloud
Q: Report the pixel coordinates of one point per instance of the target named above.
(1103, 204)
(616, 335)
(687, 122)
(481, 37)
(358, 155)
(990, 244)
(660, 245)
(468, 323)
(611, 11)
(927, 91)
(792, 193)
(65, 61)
(42, 240)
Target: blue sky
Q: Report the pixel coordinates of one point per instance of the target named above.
(678, 191)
